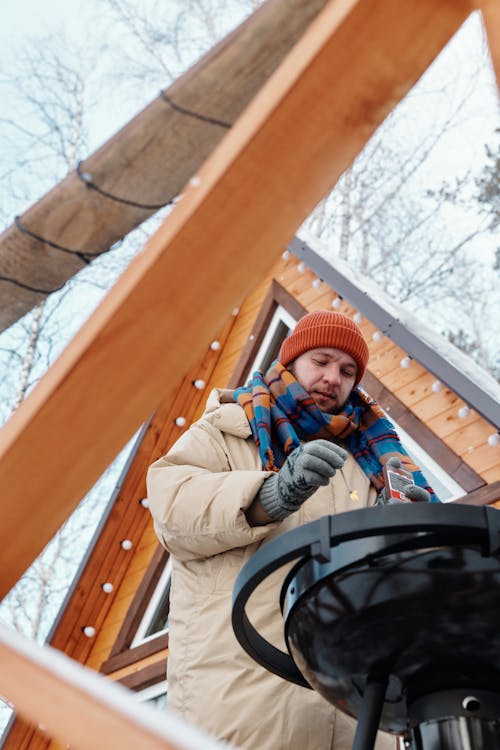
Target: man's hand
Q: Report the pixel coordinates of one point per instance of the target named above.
(417, 494)
(308, 467)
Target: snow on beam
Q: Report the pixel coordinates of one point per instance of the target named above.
(82, 709)
(451, 366)
(302, 130)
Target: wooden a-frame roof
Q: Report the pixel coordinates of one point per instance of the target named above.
(337, 84)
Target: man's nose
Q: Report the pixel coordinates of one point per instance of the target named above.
(332, 374)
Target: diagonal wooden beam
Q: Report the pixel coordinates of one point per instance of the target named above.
(356, 61)
(84, 710)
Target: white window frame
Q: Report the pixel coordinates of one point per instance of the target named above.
(280, 316)
(140, 634)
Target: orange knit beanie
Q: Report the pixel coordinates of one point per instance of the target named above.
(330, 329)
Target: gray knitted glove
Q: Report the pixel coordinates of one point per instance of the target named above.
(417, 494)
(306, 468)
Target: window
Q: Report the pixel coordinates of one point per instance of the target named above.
(144, 631)
(280, 326)
(155, 619)
(154, 695)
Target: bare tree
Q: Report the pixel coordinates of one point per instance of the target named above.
(391, 217)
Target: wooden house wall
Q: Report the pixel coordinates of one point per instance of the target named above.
(410, 388)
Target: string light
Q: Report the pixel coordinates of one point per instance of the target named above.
(436, 386)
(107, 587)
(180, 421)
(126, 544)
(195, 181)
(494, 439)
(89, 631)
(357, 317)
(316, 283)
(301, 267)
(84, 255)
(405, 363)
(199, 384)
(145, 502)
(215, 345)
(234, 312)
(87, 179)
(190, 113)
(285, 254)
(377, 336)
(463, 412)
(337, 302)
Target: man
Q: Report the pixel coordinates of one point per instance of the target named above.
(262, 460)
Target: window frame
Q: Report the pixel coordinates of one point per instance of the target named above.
(140, 636)
(123, 653)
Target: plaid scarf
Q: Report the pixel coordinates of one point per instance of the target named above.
(282, 414)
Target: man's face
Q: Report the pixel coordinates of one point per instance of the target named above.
(328, 375)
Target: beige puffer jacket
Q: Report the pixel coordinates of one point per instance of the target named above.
(198, 495)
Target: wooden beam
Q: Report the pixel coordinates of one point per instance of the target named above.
(491, 18)
(148, 161)
(81, 709)
(486, 495)
(299, 134)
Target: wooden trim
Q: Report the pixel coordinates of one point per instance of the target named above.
(441, 453)
(486, 495)
(133, 655)
(121, 654)
(291, 304)
(276, 295)
(143, 678)
(140, 601)
(254, 340)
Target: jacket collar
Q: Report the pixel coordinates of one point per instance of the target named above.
(225, 414)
